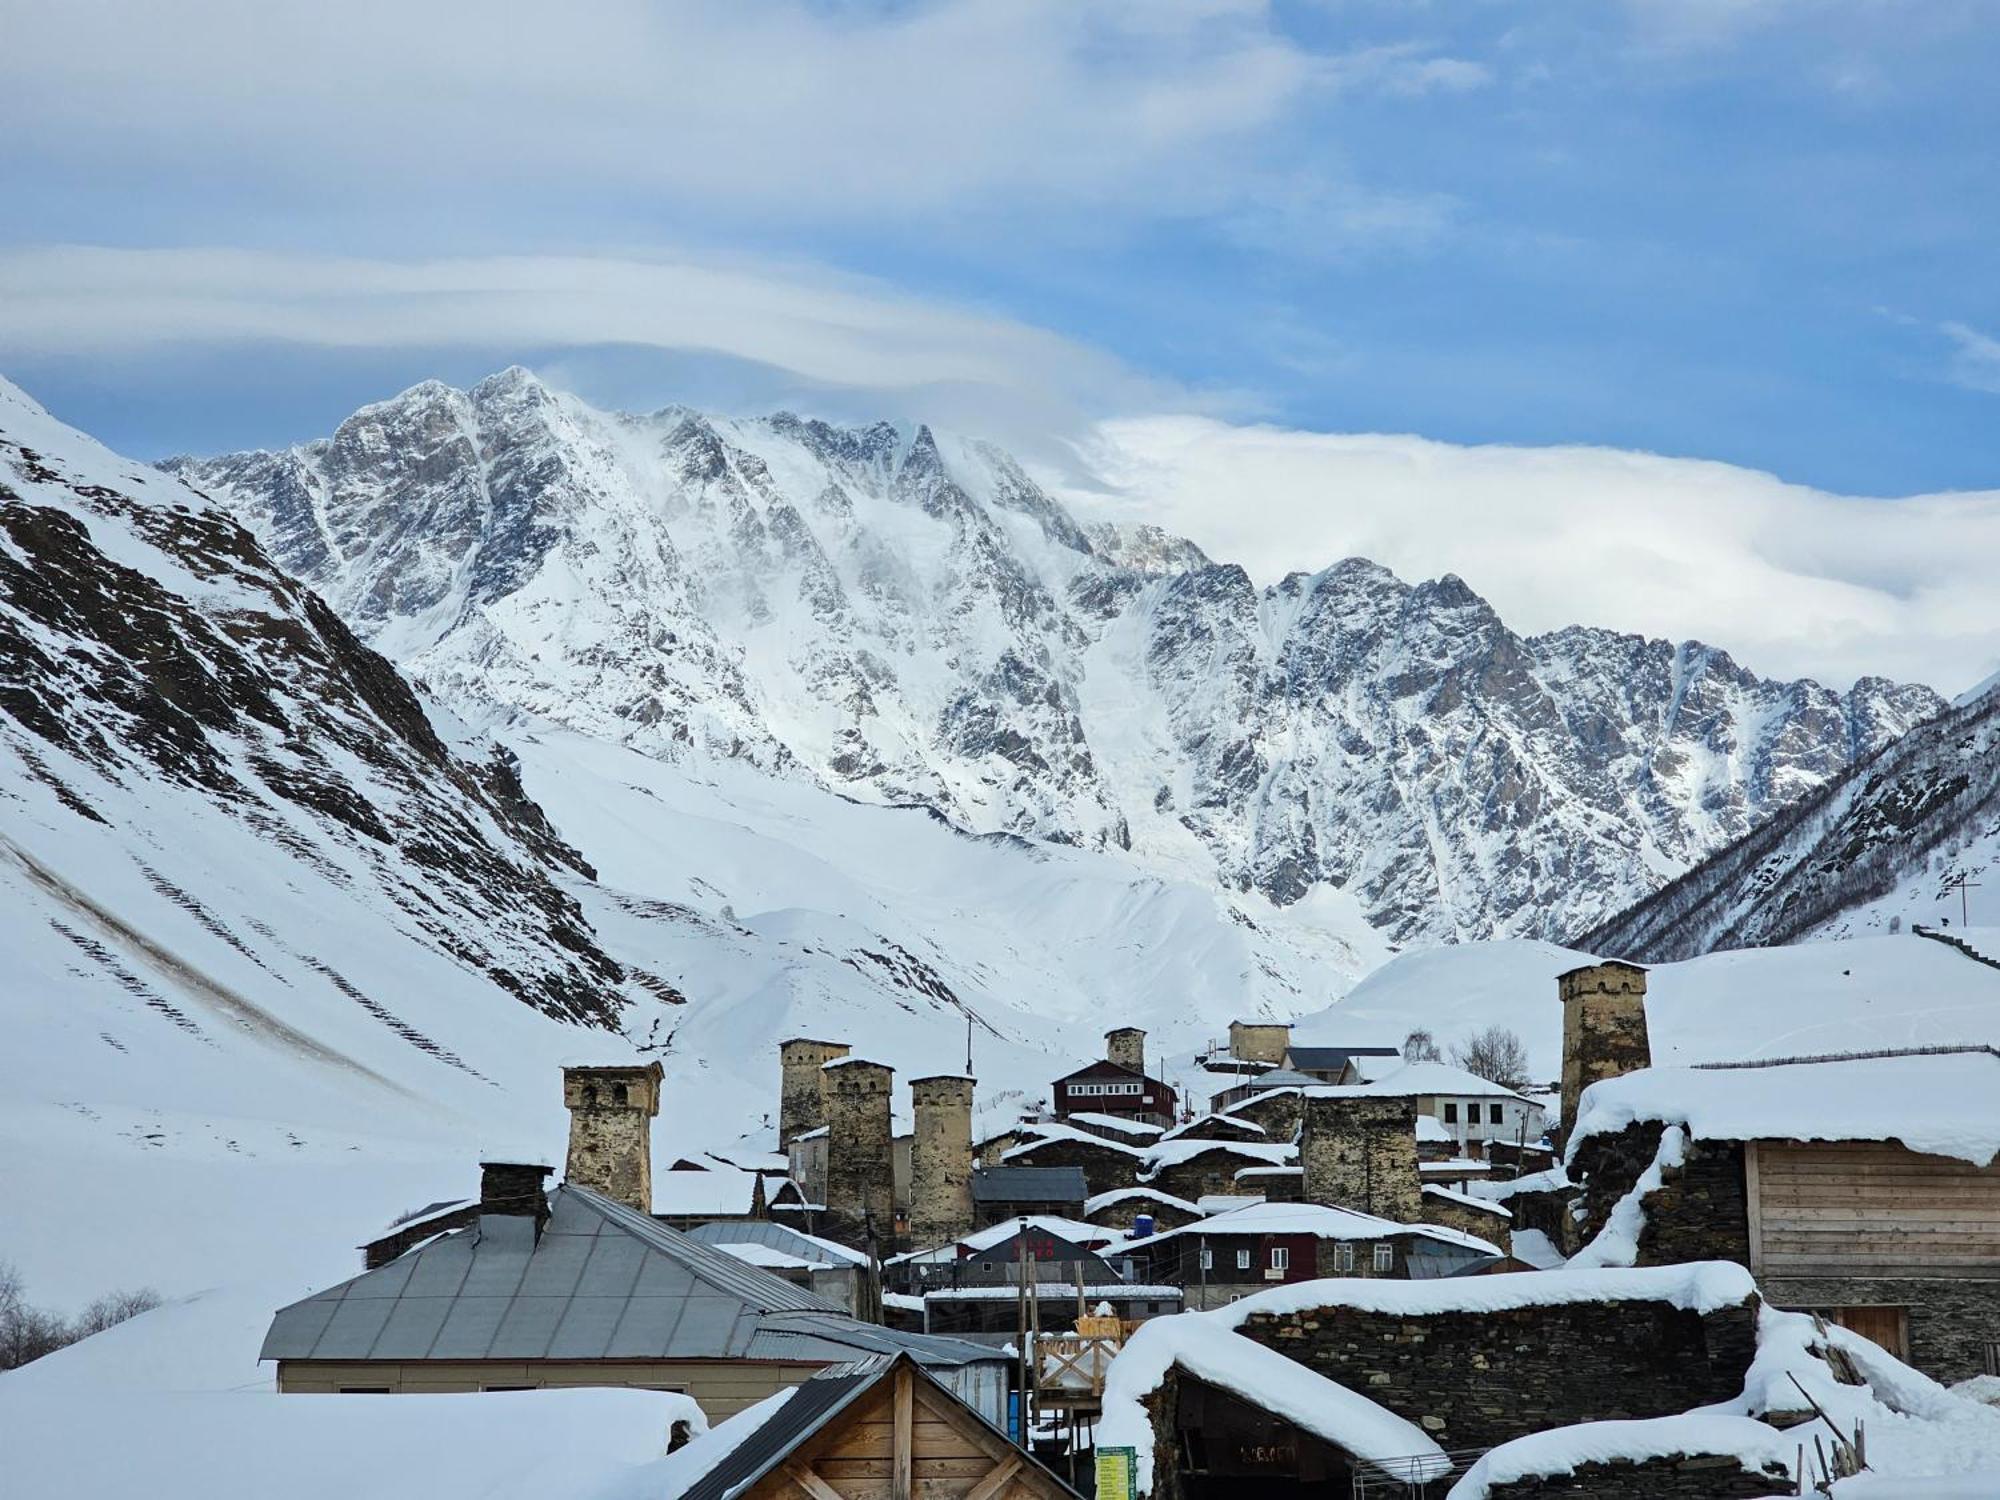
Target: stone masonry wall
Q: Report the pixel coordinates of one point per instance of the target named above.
(1699, 1212)
(1604, 1029)
(1689, 1477)
(1127, 1047)
(1360, 1152)
(1105, 1167)
(1474, 1380)
(1951, 1319)
(941, 1160)
(611, 1112)
(860, 1165)
(1478, 1220)
(802, 1085)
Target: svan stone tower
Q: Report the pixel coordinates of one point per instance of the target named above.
(1604, 1028)
(611, 1112)
(1359, 1151)
(802, 1085)
(941, 1161)
(860, 1160)
(1126, 1047)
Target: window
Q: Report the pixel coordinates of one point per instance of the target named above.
(1242, 1260)
(1343, 1256)
(1451, 1114)
(506, 1388)
(1493, 1114)
(1385, 1259)
(1207, 1258)
(1281, 1258)
(364, 1390)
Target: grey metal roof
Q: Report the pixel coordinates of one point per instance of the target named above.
(1333, 1057)
(603, 1282)
(1028, 1185)
(777, 1236)
(1283, 1078)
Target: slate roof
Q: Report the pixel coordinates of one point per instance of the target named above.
(1029, 1185)
(603, 1282)
(1303, 1058)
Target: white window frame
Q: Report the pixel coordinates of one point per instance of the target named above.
(1385, 1259)
(1343, 1256)
(1242, 1260)
(1281, 1258)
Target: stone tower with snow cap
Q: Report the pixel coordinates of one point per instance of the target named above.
(1604, 1028)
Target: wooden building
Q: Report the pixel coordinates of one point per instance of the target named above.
(1108, 1088)
(880, 1429)
(1865, 1187)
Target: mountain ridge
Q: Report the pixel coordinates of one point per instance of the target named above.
(909, 616)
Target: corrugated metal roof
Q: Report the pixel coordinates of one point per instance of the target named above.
(1028, 1185)
(778, 1237)
(603, 1282)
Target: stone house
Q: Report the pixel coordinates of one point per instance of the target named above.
(1105, 1164)
(1123, 1208)
(1003, 1192)
(1863, 1187)
(1195, 1168)
(1222, 1259)
(1471, 1110)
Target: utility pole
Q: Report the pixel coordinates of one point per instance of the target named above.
(1962, 883)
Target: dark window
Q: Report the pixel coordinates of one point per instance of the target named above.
(1493, 1114)
(1451, 1114)
(364, 1390)
(618, 1093)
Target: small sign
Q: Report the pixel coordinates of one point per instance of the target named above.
(1116, 1471)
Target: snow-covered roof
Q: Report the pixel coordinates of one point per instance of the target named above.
(1202, 1346)
(1760, 1447)
(853, 1062)
(1431, 1131)
(1089, 1236)
(1222, 1203)
(1466, 1200)
(1248, 1127)
(1702, 1286)
(1120, 1123)
(1173, 1153)
(1457, 1166)
(1095, 1291)
(779, 1237)
(1150, 1195)
(718, 1190)
(768, 1256)
(1941, 1103)
(1044, 1132)
(1317, 1219)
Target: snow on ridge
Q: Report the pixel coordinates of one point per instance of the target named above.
(1704, 1286)
(1561, 1450)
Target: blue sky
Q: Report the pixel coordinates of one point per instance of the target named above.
(1755, 231)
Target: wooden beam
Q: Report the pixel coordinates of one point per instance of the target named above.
(996, 1480)
(901, 1454)
(1754, 1202)
(811, 1483)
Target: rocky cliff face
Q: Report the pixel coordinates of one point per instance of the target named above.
(158, 674)
(909, 617)
(1883, 844)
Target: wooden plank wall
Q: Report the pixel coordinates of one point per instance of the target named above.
(1869, 1210)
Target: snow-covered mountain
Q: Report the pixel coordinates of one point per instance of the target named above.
(290, 945)
(904, 616)
(1885, 843)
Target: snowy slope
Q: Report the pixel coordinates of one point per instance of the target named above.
(1802, 1000)
(1884, 844)
(908, 617)
(291, 948)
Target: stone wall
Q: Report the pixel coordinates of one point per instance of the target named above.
(1360, 1152)
(1700, 1476)
(1487, 1221)
(611, 1112)
(802, 1085)
(860, 1169)
(1476, 1379)
(1126, 1047)
(1604, 1029)
(1699, 1212)
(1279, 1111)
(941, 1160)
(1259, 1041)
(1105, 1167)
(1209, 1172)
(1951, 1319)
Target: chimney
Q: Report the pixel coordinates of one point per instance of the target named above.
(860, 1159)
(611, 1111)
(1604, 1028)
(513, 1190)
(1359, 1151)
(941, 1161)
(802, 1085)
(1126, 1047)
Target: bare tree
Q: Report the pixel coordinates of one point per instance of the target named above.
(1495, 1054)
(1421, 1046)
(28, 1332)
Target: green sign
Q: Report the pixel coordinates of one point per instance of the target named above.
(1117, 1469)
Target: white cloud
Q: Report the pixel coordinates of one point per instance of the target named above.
(1789, 579)
(1975, 361)
(786, 108)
